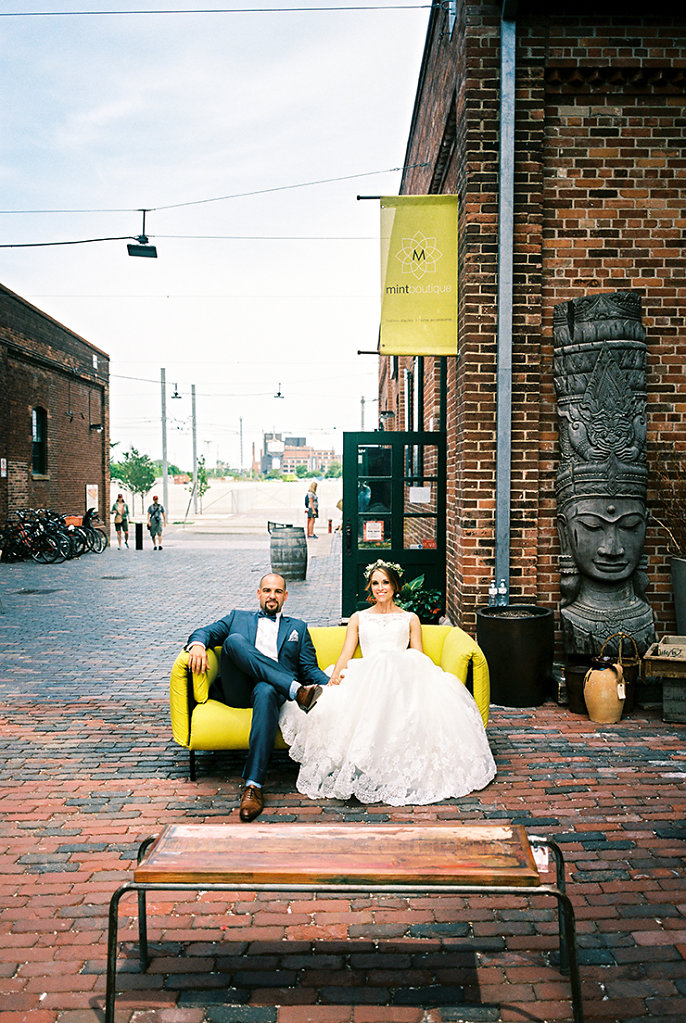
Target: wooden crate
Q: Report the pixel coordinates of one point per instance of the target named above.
(666, 659)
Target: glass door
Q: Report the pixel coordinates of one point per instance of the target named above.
(393, 508)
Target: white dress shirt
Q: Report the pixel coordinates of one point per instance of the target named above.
(266, 640)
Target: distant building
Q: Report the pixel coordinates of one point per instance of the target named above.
(54, 424)
(287, 453)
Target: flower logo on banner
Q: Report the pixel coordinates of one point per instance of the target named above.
(418, 256)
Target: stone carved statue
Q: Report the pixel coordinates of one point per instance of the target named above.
(599, 372)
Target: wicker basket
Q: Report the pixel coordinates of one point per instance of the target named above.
(631, 666)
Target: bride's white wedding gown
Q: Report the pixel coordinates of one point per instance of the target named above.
(397, 730)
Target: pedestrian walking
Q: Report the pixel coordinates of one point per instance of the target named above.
(312, 509)
(120, 510)
(157, 520)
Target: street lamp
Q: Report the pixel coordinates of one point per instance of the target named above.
(143, 248)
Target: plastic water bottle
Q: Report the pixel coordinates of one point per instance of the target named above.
(502, 599)
(492, 594)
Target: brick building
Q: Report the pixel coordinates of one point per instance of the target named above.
(287, 453)
(54, 426)
(598, 107)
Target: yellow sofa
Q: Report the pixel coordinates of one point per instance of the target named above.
(199, 723)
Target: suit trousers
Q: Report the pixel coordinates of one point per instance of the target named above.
(251, 679)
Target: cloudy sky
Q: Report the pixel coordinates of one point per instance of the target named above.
(227, 127)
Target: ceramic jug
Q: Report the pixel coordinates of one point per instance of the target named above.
(604, 691)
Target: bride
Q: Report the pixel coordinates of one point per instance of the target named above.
(391, 727)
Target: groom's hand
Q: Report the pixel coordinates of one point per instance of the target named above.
(197, 659)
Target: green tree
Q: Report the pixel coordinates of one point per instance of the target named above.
(136, 472)
(172, 470)
(335, 469)
(301, 471)
(203, 483)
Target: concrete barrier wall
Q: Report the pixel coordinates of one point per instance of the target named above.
(260, 501)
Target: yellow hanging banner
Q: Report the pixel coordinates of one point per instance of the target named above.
(418, 275)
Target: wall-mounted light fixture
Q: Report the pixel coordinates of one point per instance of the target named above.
(96, 427)
(385, 418)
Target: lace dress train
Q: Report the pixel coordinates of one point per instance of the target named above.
(397, 730)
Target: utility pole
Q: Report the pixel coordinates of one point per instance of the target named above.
(195, 452)
(240, 433)
(362, 413)
(165, 472)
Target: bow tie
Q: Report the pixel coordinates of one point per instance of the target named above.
(265, 614)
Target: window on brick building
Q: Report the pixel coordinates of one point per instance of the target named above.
(418, 371)
(409, 400)
(39, 441)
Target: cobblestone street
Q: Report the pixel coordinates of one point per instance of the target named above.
(89, 769)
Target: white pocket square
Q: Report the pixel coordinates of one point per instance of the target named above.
(294, 637)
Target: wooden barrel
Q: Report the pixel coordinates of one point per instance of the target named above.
(288, 549)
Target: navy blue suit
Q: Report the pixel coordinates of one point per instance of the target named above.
(250, 678)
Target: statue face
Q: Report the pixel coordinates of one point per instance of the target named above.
(605, 536)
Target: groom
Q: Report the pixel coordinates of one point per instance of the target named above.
(266, 658)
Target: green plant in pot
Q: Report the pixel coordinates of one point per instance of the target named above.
(670, 513)
(427, 603)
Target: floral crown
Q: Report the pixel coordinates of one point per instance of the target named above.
(370, 569)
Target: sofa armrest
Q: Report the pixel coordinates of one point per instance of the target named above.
(458, 650)
(183, 695)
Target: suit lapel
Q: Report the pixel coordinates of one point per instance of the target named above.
(284, 628)
(252, 627)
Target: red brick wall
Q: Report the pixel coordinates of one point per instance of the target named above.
(599, 205)
(43, 364)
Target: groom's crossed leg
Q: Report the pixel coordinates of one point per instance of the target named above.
(242, 666)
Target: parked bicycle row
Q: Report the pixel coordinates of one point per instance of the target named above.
(49, 537)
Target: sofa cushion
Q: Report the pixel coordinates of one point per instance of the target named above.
(216, 726)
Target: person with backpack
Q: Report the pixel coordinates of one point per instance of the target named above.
(312, 508)
(156, 520)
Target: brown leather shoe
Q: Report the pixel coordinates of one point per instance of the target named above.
(307, 696)
(252, 803)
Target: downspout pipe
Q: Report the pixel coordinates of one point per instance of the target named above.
(508, 40)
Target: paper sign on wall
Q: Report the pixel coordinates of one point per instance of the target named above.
(372, 531)
(92, 495)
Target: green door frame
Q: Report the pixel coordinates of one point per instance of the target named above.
(394, 508)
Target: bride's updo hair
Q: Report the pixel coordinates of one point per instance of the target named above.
(392, 575)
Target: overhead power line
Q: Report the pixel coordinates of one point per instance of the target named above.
(222, 198)
(216, 10)
(76, 241)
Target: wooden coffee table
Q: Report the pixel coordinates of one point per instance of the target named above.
(347, 859)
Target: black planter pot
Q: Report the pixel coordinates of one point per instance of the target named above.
(678, 572)
(518, 643)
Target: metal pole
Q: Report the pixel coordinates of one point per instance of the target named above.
(165, 471)
(195, 453)
(240, 431)
(508, 38)
(362, 413)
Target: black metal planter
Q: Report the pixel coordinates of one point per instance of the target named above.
(518, 642)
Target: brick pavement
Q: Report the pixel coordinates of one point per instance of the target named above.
(89, 769)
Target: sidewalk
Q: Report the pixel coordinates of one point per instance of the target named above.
(89, 769)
